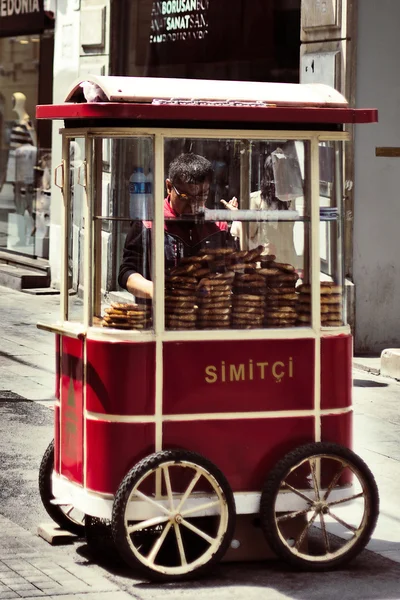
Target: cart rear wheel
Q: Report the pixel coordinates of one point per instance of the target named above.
(65, 515)
(173, 515)
(334, 492)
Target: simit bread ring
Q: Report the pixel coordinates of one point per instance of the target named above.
(284, 267)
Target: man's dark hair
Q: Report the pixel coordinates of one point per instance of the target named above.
(190, 168)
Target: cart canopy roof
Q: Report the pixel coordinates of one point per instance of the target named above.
(174, 99)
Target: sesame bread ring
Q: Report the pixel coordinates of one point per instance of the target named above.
(222, 284)
(256, 283)
(185, 269)
(245, 316)
(213, 326)
(282, 309)
(284, 277)
(203, 312)
(278, 314)
(217, 251)
(173, 310)
(180, 325)
(283, 296)
(266, 260)
(326, 287)
(280, 323)
(249, 277)
(210, 318)
(269, 272)
(282, 304)
(246, 305)
(277, 284)
(248, 310)
(187, 317)
(275, 292)
(119, 318)
(335, 299)
(251, 297)
(250, 291)
(188, 260)
(123, 306)
(202, 273)
(117, 325)
(333, 316)
(181, 293)
(177, 299)
(304, 318)
(332, 324)
(174, 303)
(284, 267)
(173, 279)
(243, 266)
(226, 275)
(254, 254)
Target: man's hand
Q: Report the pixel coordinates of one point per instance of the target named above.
(139, 286)
(233, 204)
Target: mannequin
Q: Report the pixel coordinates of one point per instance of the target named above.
(22, 162)
(23, 132)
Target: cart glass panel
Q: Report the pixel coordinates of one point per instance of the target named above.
(237, 232)
(123, 210)
(333, 307)
(76, 173)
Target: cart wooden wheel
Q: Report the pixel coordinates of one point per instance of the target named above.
(339, 506)
(65, 515)
(173, 515)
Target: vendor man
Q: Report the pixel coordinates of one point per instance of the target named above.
(188, 187)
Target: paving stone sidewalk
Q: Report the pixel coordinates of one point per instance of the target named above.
(30, 569)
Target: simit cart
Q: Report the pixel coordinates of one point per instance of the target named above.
(219, 412)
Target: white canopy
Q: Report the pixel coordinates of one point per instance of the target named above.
(149, 89)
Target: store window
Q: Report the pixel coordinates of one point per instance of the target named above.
(227, 39)
(25, 152)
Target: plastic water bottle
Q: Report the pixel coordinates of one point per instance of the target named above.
(137, 194)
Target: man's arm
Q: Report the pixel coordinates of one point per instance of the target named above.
(135, 269)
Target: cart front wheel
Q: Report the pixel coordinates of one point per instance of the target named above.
(65, 515)
(173, 515)
(328, 506)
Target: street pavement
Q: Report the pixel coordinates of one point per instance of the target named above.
(31, 568)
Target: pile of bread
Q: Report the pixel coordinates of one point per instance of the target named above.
(221, 288)
(121, 315)
(331, 304)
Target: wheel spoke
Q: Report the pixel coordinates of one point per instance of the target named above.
(324, 533)
(333, 482)
(151, 501)
(339, 520)
(188, 491)
(292, 489)
(305, 530)
(156, 548)
(196, 509)
(69, 509)
(314, 476)
(293, 515)
(200, 533)
(180, 544)
(169, 488)
(343, 500)
(145, 524)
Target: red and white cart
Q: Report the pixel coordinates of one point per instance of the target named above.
(184, 428)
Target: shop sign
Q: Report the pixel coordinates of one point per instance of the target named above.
(20, 17)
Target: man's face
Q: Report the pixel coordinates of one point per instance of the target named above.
(188, 198)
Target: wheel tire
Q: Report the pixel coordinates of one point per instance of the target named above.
(100, 540)
(46, 494)
(183, 553)
(325, 536)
